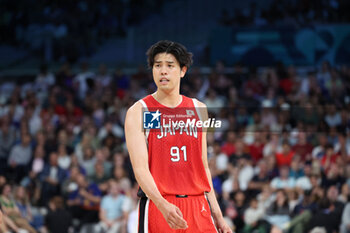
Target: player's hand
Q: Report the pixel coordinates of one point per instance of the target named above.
(222, 226)
(173, 216)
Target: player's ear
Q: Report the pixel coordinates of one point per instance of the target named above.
(183, 71)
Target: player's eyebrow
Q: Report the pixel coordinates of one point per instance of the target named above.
(165, 61)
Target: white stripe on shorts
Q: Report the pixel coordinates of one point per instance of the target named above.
(146, 216)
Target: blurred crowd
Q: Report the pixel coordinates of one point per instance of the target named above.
(288, 13)
(280, 162)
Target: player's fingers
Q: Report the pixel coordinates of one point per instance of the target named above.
(178, 222)
(171, 225)
(179, 216)
(174, 225)
(178, 211)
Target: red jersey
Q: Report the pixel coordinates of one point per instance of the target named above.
(175, 153)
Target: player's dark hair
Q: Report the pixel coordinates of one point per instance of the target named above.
(176, 49)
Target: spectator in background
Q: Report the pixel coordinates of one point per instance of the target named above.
(338, 206)
(84, 201)
(332, 117)
(239, 153)
(296, 168)
(344, 193)
(102, 77)
(75, 163)
(324, 217)
(34, 120)
(268, 116)
(228, 147)
(6, 223)
(304, 182)
(84, 80)
(238, 208)
(23, 203)
(102, 156)
(283, 181)
(231, 184)
(65, 77)
(100, 177)
(88, 160)
(259, 180)
(302, 147)
(70, 183)
(72, 112)
(246, 172)
(278, 212)
(221, 159)
(3, 228)
(51, 178)
(273, 146)
(213, 101)
(256, 148)
(334, 176)
(43, 81)
(285, 157)
(85, 142)
(113, 211)
(58, 219)
(272, 169)
(342, 147)
(19, 158)
(253, 218)
(319, 150)
(63, 157)
(308, 203)
(324, 74)
(7, 139)
(345, 220)
(11, 210)
(329, 158)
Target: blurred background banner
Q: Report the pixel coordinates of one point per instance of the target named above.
(265, 46)
(117, 33)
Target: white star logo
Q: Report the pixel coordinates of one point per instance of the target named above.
(155, 115)
(203, 208)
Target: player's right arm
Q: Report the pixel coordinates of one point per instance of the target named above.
(137, 147)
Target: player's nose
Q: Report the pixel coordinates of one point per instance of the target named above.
(163, 70)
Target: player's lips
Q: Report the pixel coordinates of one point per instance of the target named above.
(164, 80)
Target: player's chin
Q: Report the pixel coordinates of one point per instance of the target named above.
(164, 87)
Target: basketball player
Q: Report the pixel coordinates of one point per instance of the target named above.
(171, 168)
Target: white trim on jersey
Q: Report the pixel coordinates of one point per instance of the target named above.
(146, 130)
(195, 103)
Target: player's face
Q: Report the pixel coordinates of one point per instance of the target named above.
(167, 72)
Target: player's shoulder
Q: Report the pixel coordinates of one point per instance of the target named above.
(134, 110)
(199, 103)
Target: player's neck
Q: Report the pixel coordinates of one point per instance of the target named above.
(171, 99)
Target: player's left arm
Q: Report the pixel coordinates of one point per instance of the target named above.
(220, 223)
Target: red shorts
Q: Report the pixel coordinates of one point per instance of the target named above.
(195, 210)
